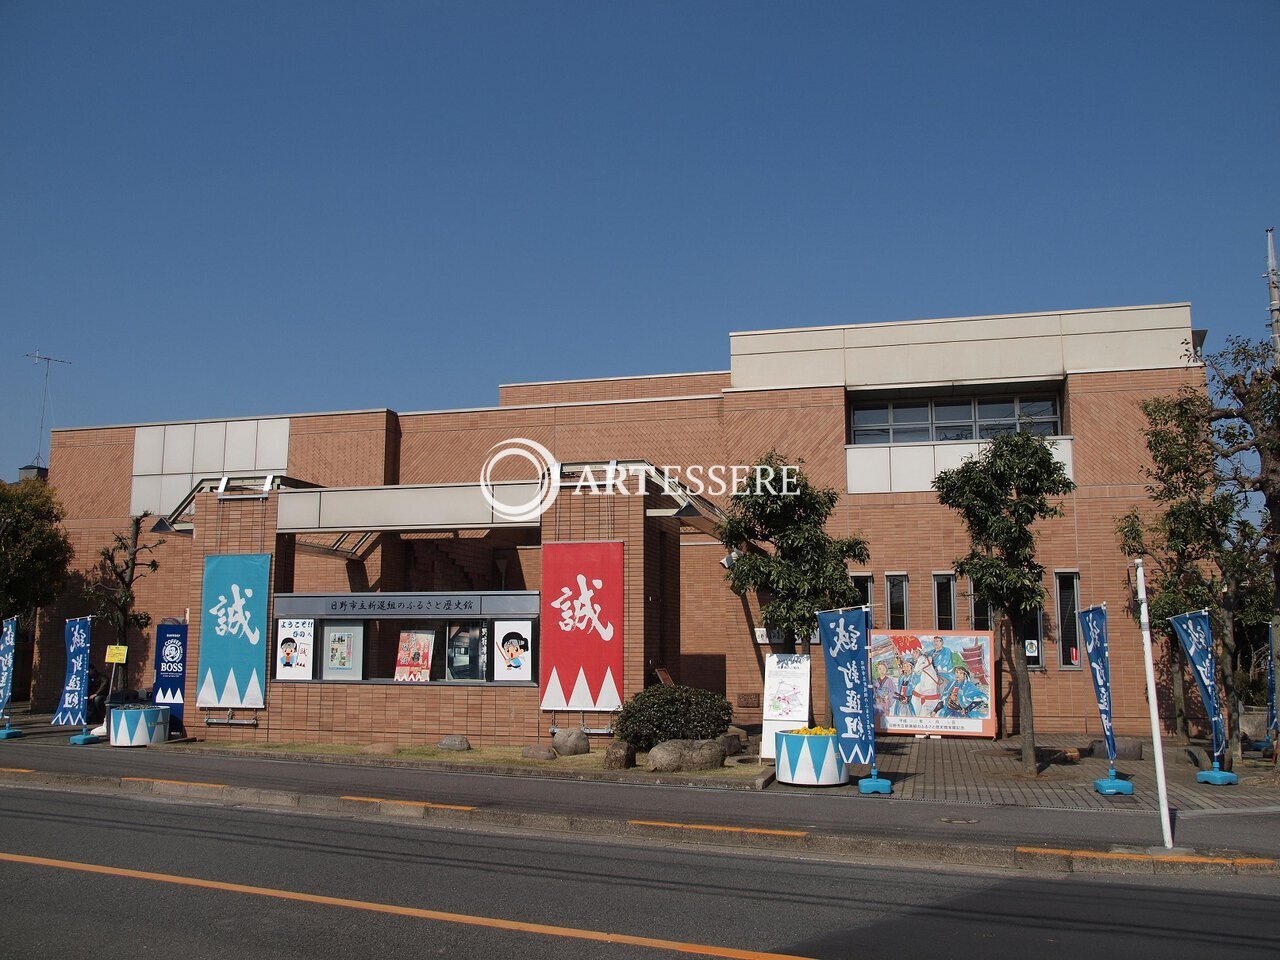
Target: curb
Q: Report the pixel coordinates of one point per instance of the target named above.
(493, 769)
(873, 847)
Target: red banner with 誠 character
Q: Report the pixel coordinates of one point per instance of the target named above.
(583, 605)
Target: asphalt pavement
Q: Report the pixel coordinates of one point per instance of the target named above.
(1254, 831)
(256, 883)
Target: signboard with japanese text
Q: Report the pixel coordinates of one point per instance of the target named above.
(938, 682)
(75, 687)
(342, 650)
(844, 644)
(1093, 625)
(513, 651)
(786, 696)
(583, 606)
(117, 653)
(1196, 636)
(413, 659)
(233, 625)
(8, 641)
(294, 641)
(171, 672)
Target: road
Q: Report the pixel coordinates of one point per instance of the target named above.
(410, 890)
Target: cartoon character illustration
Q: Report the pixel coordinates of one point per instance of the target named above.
(289, 653)
(907, 680)
(512, 648)
(944, 660)
(961, 696)
(884, 689)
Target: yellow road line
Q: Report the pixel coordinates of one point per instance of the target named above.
(1148, 857)
(15, 770)
(185, 783)
(494, 923)
(718, 828)
(411, 803)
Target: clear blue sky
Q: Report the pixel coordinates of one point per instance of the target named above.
(226, 208)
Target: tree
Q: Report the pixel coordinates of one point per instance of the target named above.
(1000, 493)
(792, 563)
(34, 550)
(111, 585)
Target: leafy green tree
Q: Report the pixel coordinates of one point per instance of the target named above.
(1000, 494)
(791, 562)
(111, 586)
(34, 550)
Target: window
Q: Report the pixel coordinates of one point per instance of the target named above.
(944, 601)
(1031, 636)
(980, 614)
(953, 418)
(865, 585)
(1068, 585)
(896, 600)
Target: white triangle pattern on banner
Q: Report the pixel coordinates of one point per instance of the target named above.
(169, 696)
(553, 697)
(609, 698)
(252, 693)
(208, 696)
(231, 692)
(580, 699)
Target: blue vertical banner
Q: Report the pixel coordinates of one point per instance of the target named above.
(844, 635)
(8, 640)
(171, 671)
(233, 630)
(1273, 724)
(1093, 627)
(75, 688)
(1197, 640)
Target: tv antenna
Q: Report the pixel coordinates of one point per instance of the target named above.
(1273, 287)
(38, 357)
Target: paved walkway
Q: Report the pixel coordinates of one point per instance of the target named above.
(958, 770)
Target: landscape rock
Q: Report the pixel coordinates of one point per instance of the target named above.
(619, 755)
(570, 743)
(454, 741)
(739, 733)
(676, 755)
(730, 744)
(538, 752)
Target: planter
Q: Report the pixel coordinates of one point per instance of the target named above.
(809, 760)
(139, 726)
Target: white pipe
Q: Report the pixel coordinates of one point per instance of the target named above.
(1161, 789)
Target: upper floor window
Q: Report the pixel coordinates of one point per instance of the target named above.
(953, 418)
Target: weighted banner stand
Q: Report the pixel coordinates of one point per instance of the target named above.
(1093, 627)
(846, 646)
(1196, 636)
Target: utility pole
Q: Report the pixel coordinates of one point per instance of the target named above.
(44, 404)
(1273, 285)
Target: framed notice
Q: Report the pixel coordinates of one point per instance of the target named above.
(413, 659)
(513, 651)
(938, 682)
(786, 696)
(342, 650)
(294, 642)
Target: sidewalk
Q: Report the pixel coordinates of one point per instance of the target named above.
(977, 823)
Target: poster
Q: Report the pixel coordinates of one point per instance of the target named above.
(786, 696)
(513, 651)
(936, 682)
(413, 659)
(340, 651)
(294, 642)
(233, 624)
(583, 605)
(75, 686)
(171, 671)
(340, 643)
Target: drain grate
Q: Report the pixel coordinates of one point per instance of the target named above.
(956, 820)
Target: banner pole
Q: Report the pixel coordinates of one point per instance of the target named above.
(1157, 745)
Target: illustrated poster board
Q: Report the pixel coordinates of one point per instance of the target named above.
(935, 682)
(342, 650)
(295, 640)
(513, 651)
(413, 659)
(786, 697)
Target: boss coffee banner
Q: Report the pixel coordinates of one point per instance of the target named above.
(171, 670)
(583, 604)
(844, 636)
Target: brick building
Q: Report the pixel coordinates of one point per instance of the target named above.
(379, 502)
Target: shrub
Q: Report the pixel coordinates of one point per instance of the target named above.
(671, 712)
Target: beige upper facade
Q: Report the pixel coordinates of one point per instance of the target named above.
(963, 350)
